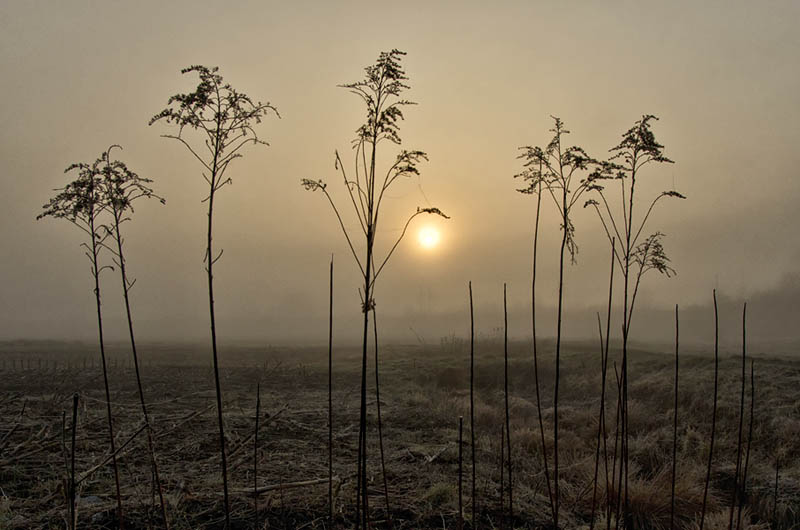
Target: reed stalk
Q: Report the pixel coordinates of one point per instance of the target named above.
(713, 412)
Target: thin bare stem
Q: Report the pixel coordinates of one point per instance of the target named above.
(601, 423)
(535, 350)
(330, 399)
(502, 478)
(736, 485)
(674, 428)
(96, 274)
(605, 367)
(749, 441)
(556, 490)
(472, 400)
(344, 230)
(613, 505)
(714, 411)
(73, 516)
(508, 420)
(255, 456)
(118, 179)
(380, 423)
(599, 428)
(460, 472)
(775, 494)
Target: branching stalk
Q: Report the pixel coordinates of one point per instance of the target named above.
(225, 119)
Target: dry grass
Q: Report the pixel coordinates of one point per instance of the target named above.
(423, 393)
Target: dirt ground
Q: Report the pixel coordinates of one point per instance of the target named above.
(424, 390)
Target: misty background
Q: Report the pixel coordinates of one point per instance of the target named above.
(721, 76)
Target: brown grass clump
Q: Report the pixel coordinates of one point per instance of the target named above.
(649, 500)
(719, 521)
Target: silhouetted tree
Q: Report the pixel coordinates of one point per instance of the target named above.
(224, 119)
(635, 256)
(380, 91)
(121, 187)
(555, 169)
(81, 202)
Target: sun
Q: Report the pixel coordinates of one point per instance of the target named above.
(428, 237)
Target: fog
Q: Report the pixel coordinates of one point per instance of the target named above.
(721, 76)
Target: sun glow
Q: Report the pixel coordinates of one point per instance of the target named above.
(428, 237)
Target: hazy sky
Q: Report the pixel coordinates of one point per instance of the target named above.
(77, 76)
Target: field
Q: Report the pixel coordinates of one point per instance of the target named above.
(424, 390)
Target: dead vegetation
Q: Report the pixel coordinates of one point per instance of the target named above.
(423, 394)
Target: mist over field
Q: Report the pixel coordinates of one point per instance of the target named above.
(772, 318)
(486, 81)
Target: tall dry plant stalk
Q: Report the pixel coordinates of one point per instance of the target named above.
(380, 91)
(81, 202)
(255, 456)
(121, 188)
(601, 420)
(775, 493)
(599, 427)
(749, 441)
(73, 516)
(380, 423)
(224, 118)
(461, 474)
(508, 420)
(613, 504)
(674, 427)
(637, 149)
(502, 478)
(556, 169)
(713, 412)
(735, 495)
(545, 463)
(330, 398)
(472, 402)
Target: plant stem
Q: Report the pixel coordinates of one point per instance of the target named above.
(565, 220)
(125, 291)
(599, 428)
(775, 497)
(741, 420)
(502, 479)
(613, 508)
(460, 474)
(714, 411)
(508, 422)
(749, 440)
(96, 274)
(472, 398)
(255, 455)
(330, 399)
(73, 522)
(535, 351)
(380, 427)
(362, 505)
(601, 424)
(674, 428)
(627, 315)
(209, 269)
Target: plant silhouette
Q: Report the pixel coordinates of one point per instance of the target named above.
(635, 256)
(380, 91)
(224, 118)
(81, 202)
(555, 169)
(120, 188)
